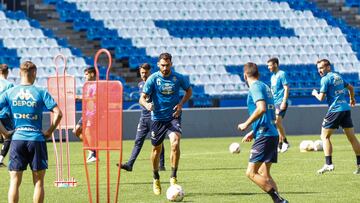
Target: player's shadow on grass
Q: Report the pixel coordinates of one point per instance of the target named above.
(224, 193)
(243, 193)
(212, 169)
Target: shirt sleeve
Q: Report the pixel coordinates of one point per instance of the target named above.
(148, 87)
(3, 100)
(345, 83)
(185, 84)
(49, 101)
(323, 85)
(257, 93)
(284, 79)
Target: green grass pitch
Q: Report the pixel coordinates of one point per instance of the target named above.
(209, 173)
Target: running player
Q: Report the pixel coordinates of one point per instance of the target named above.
(28, 145)
(143, 126)
(5, 117)
(339, 113)
(280, 90)
(90, 75)
(163, 89)
(262, 118)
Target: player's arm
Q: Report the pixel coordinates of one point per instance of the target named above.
(144, 103)
(351, 94)
(55, 122)
(318, 95)
(178, 107)
(6, 134)
(286, 96)
(259, 111)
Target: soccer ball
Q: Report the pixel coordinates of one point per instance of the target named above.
(175, 193)
(318, 145)
(234, 148)
(306, 145)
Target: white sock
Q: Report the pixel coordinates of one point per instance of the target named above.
(1, 158)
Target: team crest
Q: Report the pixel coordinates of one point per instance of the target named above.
(174, 79)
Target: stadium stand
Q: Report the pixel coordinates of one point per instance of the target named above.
(210, 40)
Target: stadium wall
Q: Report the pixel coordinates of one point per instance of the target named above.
(222, 122)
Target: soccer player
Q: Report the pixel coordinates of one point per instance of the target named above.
(90, 75)
(28, 145)
(339, 113)
(262, 118)
(143, 126)
(280, 90)
(5, 117)
(163, 89)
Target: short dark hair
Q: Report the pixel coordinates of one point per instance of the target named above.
(326, 62)
(27, 66)
(274, 60)
(251, 70)
(90, 70)
(165, 56)
(4, 69)
(145, 66)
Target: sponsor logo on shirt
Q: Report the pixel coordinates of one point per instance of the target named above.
(24, 98)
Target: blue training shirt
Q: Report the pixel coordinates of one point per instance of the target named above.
(278, 80)
(5, 85)
(164, 93)
(144, 112)
(265, 125)
(333, 85)
(27, 103)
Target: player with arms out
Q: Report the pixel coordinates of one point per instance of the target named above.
(262, 118)
(280, 90)
(28, 145)
(5, 116)
(339, 114)
(90, 75)
(143, 126)
(163, 88)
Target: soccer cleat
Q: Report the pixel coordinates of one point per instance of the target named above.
(357, 171)
(173, 181)
(162, 168)
(285, 147)
(2, 165)
(125, 166)
(156, 187)
(91, 159)
(326, 168)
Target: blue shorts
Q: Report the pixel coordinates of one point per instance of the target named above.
(160, 129)
(264, 149)
(333, 120)
(280, 112)
(23, 153)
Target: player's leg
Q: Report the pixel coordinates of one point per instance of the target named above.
(4, 150)
(38, 165)
(350, 134)
(264, 171)
(15, 181)
(327, 145)
(38, 180)
(158, 133)
(162, 159)
(142, 131)
(77, 131)
(280, 130)
(174, 155)
(155, 159)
